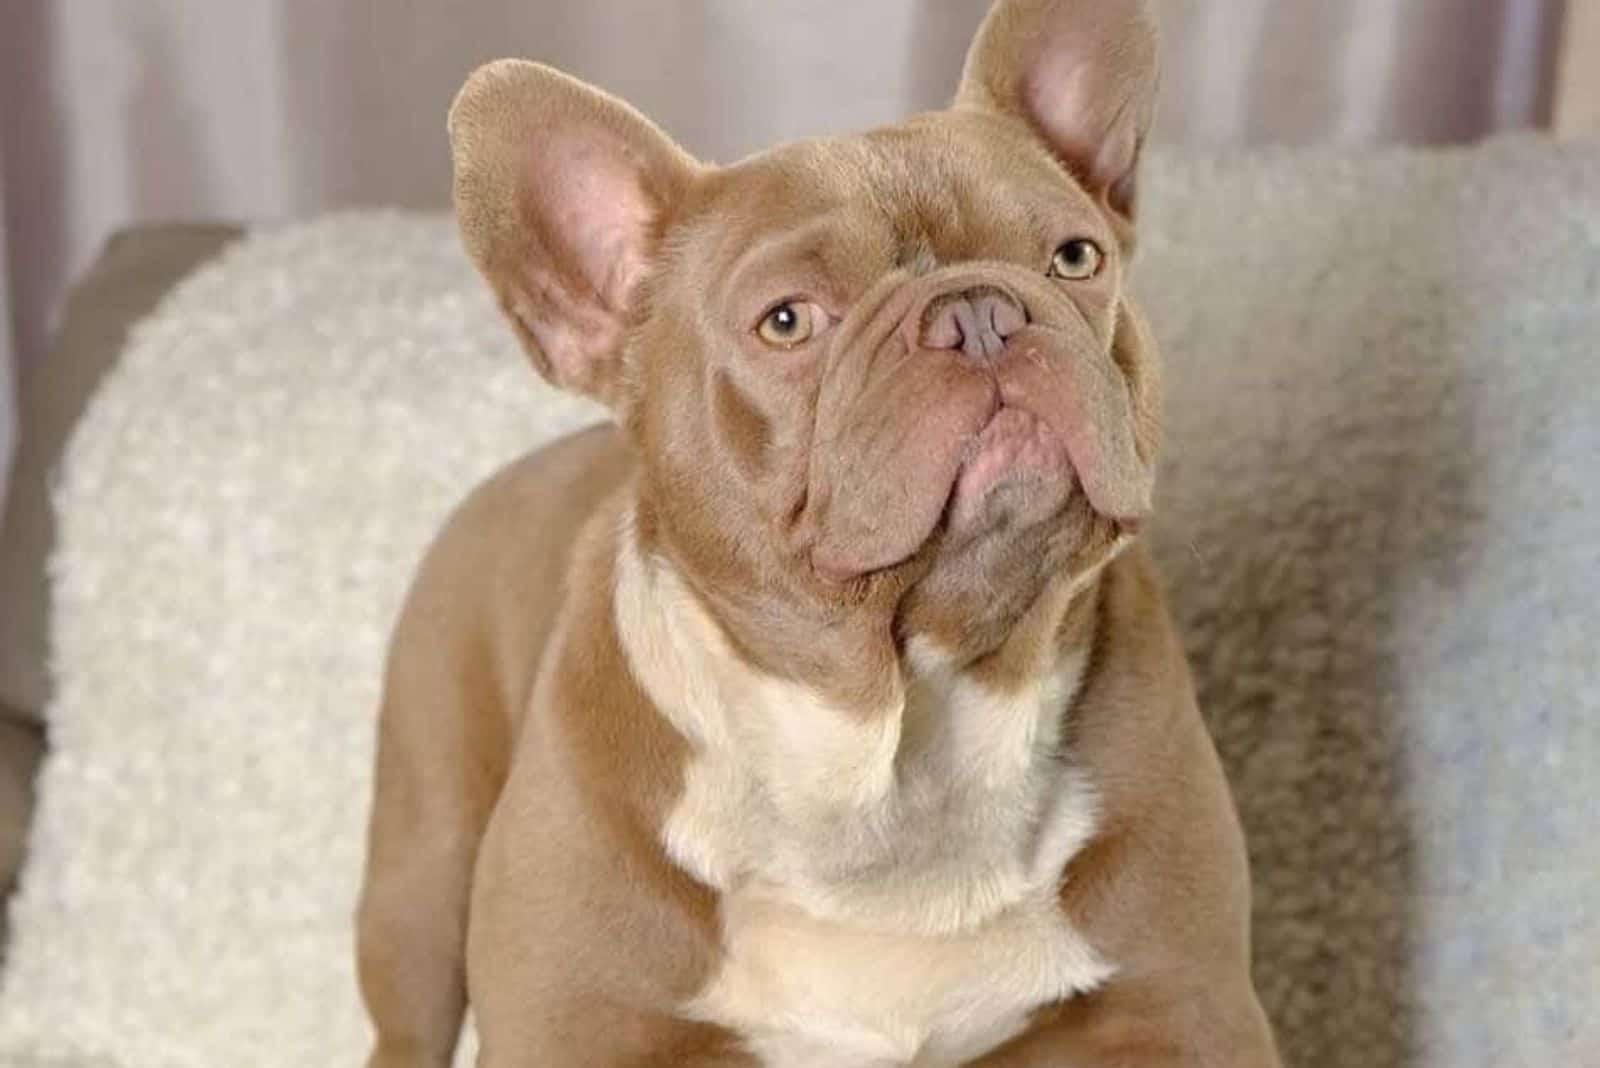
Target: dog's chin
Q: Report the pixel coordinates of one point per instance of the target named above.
(981, 581)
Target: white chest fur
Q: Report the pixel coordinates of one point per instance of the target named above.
(889, 883)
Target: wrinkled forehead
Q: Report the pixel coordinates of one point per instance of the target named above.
(934, 190)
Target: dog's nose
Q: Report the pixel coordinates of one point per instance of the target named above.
(976, 321)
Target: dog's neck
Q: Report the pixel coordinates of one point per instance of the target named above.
(947, 802)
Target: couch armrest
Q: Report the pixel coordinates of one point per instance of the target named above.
(135, 270)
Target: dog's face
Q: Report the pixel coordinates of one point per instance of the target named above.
(893, 377)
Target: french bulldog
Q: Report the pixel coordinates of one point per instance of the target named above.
(824, 708)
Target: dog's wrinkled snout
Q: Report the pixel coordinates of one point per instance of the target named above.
(975, 321)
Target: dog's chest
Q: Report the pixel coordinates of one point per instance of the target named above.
(889, 883)
(805, 991)
(889, 886)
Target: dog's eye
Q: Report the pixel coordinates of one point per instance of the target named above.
(1077, 259)
(787, 325)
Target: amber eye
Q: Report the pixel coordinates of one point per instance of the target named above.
(1077, 259)
(786, 325)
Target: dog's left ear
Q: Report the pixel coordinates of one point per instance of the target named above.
(1083, 74)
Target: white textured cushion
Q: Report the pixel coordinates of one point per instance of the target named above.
(1380, 526)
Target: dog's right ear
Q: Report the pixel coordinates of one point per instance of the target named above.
(560, 191)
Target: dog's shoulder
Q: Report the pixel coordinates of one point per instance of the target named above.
(492, 582)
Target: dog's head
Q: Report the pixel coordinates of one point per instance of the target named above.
(894, 377)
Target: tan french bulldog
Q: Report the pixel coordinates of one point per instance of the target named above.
(823, 711)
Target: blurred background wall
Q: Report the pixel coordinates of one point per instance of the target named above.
(114, 112)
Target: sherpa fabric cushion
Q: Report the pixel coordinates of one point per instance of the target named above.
(136, 267)
(1379, 528)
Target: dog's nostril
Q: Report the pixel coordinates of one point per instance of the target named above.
(1006, 316)
(975, 321)
(942, 327)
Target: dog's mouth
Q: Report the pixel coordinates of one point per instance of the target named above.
(1013, 473)
(1016, 468)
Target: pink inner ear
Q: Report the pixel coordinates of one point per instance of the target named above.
(585, 203)
(1092, 127)
(567, 328)
(591, 212)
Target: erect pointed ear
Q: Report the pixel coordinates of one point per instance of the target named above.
(1083, 74)
(560, 192)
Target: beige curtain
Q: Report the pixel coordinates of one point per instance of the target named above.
(124, 111)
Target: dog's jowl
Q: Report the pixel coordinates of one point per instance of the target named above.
(824, 709)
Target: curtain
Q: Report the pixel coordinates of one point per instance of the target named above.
(121, 111)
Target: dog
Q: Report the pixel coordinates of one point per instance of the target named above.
(824, 709)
